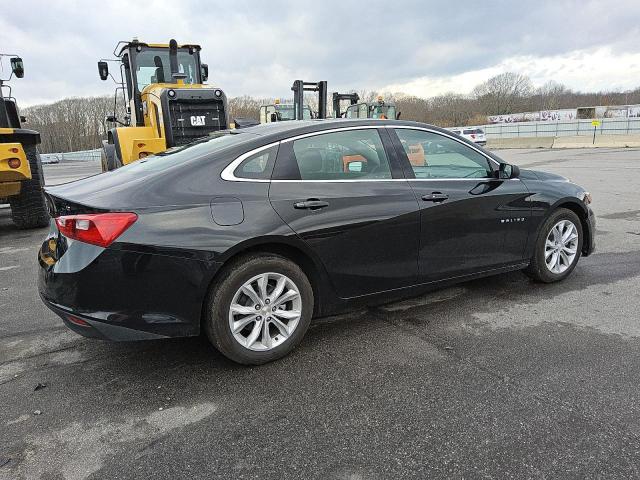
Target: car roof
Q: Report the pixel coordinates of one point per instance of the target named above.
(279, 130)
(267, 133)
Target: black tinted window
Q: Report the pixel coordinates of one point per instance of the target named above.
(257, 166)
(350, 154)
(433, 155)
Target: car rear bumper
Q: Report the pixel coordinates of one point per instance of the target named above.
(96, 328)
(124, 294)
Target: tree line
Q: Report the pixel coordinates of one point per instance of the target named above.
(76, 124)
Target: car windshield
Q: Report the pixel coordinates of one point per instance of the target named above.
(152, 66)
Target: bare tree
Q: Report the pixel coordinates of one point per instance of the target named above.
(71, 124)
(550, 94)
(503, 93)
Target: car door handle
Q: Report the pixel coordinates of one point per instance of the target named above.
(311, 204)
(435, 197)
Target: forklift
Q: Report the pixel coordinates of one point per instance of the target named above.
(21, 177)
(166, 105)
(356, 109)
(278, 112)
(337, 98)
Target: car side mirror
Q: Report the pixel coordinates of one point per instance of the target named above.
(110, 118)
(398, 115)
(103, 70)
(507, 170)
(17, 67)
(23, 119)
(204, 72)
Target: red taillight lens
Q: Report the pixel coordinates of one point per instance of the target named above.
(95, 228)
(77, 321)
(473, 135)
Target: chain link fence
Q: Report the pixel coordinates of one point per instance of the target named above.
(83, 156)
(608, 126)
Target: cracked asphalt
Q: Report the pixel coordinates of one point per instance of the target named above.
(494, 378)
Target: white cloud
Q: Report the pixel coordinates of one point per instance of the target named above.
(583, 70)
(425, 47)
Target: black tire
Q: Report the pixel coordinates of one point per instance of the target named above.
(28, 208)
(538, 269)
(109, 158)
(216, 319)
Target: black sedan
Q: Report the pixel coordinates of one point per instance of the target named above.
(249, 234)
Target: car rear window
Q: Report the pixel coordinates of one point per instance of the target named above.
(473, 131)
(177, 155)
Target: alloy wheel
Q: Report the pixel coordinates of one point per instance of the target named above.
(561, 246)
(265, 311)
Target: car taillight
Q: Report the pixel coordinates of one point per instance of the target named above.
(95, 228)
(473, 135)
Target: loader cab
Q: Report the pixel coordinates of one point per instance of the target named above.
(166, 103)
(148, 64)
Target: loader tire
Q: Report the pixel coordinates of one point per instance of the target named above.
(28, 208)
(109, 158)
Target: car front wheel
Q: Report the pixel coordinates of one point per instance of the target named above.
(558, 247)
(260, 310)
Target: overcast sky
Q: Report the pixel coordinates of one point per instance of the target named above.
(259, 47)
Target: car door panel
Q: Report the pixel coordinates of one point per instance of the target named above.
(365, 232)
(467, 225)
(467, 233)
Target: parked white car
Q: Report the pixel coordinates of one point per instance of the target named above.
(474, 134)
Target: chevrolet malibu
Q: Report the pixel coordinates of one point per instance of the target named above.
(251, 233)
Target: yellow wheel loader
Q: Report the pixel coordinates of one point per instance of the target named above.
(166, 101)
(21, 178)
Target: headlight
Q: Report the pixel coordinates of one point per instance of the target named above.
(172, 93)
(218, 93)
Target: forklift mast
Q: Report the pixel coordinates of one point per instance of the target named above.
(299, 87)
(353, 98)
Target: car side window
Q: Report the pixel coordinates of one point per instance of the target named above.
(433, 155)
(345, 155)
(257, 166)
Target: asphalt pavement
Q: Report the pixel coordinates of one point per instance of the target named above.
(494, 378)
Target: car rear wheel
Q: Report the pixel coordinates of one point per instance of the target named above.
(260, 310)
(558, 247)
